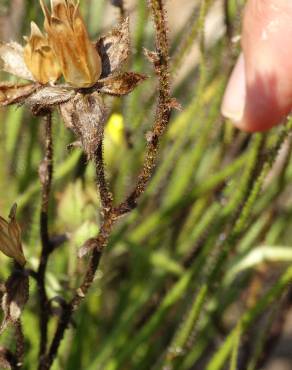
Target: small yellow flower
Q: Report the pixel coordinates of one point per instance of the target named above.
(79, 60)
(40, 58)
(10, 238)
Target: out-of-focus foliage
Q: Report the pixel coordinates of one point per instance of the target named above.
(193, 278)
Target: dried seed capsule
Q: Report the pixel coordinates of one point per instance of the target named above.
(77, 56)
(40, 58)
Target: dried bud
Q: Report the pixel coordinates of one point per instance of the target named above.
(40, 58)
(15, 297)
(80, 62)
(10, 238)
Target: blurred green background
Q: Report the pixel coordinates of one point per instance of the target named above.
(197, 277)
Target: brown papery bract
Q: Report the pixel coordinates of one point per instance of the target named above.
(40, 58)
(68, 37)
(10, 238)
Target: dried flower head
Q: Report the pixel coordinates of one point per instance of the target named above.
(90, 70)
(10, 238)
(40, 58)
(78, 58)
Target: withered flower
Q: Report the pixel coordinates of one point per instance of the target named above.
(10, 238)
(78, 57)
(90, 71)
(40, 58)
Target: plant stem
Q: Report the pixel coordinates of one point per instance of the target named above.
(45, 175)
(97, 245)
(110, 213)
(106, 196)
(19, 344)
(164, 107)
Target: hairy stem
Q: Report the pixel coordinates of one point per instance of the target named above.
(45, 175)
(163, 110)
(19, 344)
(110, 213)
(106, 196)
(97, 245)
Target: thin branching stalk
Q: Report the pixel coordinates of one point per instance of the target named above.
(163, 110)
(106, 196)
(45, 174)
(111, 214)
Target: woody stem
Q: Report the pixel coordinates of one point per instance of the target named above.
(45, 175)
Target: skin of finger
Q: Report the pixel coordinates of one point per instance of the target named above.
(267, 48)
(234, 96)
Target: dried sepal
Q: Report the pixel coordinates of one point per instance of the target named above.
(12, 61)
(40, 58)
(120, 84)
(79, 60)
(10, 238)
(46, 98)
(85, 115)
(114, 48)
(11, 93)
(15, 297)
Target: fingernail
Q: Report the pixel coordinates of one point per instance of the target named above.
(234, 97)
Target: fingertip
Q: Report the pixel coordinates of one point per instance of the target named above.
(234, 97)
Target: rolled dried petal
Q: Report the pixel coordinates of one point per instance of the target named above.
(10, 238)
(40, 58)
(79, 60)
